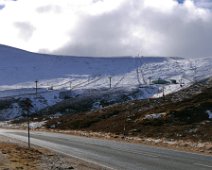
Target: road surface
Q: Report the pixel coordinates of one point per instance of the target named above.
(115, 155)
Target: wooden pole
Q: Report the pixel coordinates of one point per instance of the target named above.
(28, 123)
(110, 81)
(36, 88)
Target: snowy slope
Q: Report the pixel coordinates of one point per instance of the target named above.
(24, 66)
(19, 69)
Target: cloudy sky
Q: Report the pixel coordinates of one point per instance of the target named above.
(108, 27)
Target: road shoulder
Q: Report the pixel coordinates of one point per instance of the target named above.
(15, 154)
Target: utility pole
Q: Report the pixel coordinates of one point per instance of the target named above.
(27, 105)
(138, 77)
(28, 129)
(163, 88)
(70, 84)
(36, 88)
(181, 82)
(143, 78)
(194, 69)
(141, 71)
(110, 81)
(124, 128)
(150, 80)
(195, 73)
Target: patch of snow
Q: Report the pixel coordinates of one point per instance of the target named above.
(35, 125)
(56, 115)
(96, 105)
(12, 112)
(84, 75)
(209, 114)
(154, 116)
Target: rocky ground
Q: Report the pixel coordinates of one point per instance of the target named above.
(15, 155)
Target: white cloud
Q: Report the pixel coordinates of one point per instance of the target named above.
(108, 27)
(163, 6)
(203, 3)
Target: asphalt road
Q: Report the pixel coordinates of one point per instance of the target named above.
(115, 155)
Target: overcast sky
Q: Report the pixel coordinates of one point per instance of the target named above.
(108, 27)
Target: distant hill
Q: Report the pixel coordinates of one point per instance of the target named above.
(110, 79)
(19, 66)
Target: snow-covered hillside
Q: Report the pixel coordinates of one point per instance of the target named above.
(18, 66)
(19, 69)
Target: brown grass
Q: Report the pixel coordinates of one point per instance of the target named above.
(185, 119)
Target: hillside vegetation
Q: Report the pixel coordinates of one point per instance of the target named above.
(182, 115)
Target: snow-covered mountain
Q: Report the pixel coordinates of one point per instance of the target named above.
(25, 67)
(19, 69)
